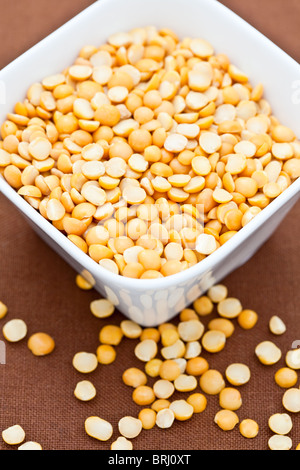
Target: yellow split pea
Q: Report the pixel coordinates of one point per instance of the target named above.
(82, 283)
(226, 419)
(102, 308)
(286, 377)
(3, 310)
(106, 354)
(14, 330)
(148, 418)
(111, 335)
(13, 435)
(249, 428)
(98, 428)
(85, 362)
(134, 377)
(41, 344)
(85, 391)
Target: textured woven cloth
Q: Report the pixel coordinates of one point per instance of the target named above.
(39, 287)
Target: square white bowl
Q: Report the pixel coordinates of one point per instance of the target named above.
(150, 302)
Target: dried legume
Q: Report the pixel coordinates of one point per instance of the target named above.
(85, 362)
(182, 410)
(106, 354)
(30, 445)
(214, 341)
(14, 330)
(249, 428)
(111, 334)
(102, 308)
(146, 350)
(226, 419)
(121, 444)
(3, 310)
(13, 435)
(276, 325)
(98, 428)
(223, 325)
(41, 344)
(229, 308)
(268, 353)
(230, 399)
(130, 427)
(134, 377)
(286, 377)
(148, 418)
(278, 442)
(291, 400)
(143, 395)
(212, 382)
(165, 418)
(238, 374)
(85, 391)
(280, 423)
(292, 359)
(247, 319)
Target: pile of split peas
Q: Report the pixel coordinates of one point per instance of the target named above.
(171, 362)
(149, 152)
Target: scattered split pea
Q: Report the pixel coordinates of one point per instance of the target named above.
(85, 362)
(226, 419)
(98, 428)
(286, 377)
(280, 423)
(14, 435)
(178, 373)
(121, 444)
(268, 353)
(292, 359)
(130, 427)
(3, 310)
(85, 391)
(102, 308)
(30, 445)
(278, 442)
(249, 428)
(14, 331)
(276, 325)
(41, 344)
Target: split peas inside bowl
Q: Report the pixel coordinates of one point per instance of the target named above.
(149, 152)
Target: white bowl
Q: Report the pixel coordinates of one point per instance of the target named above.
(150, 302)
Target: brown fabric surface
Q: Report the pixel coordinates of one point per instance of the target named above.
(38, 286)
